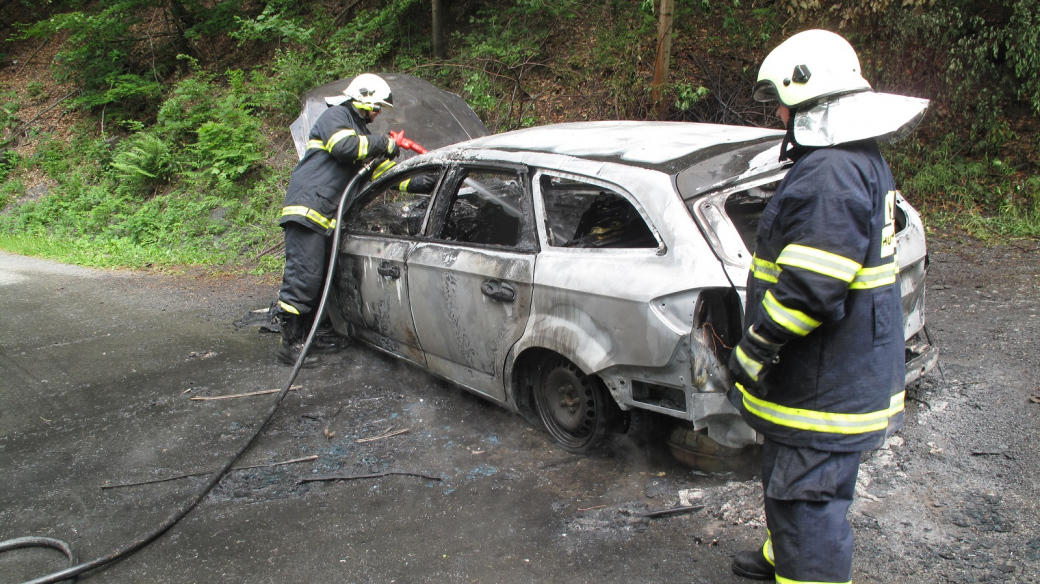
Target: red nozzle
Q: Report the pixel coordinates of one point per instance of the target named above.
(405, 143)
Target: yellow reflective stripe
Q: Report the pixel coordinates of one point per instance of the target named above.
(362, 149)
(875, 277)
(814, 421)
(315, 144)
(864, 278)
(764, 270)
(403, 187)
(339, 136)
(382, 168)
(363, 106)
(767, 548)
(793, 320)
(288, 307)
(897, 403)
(310, 214)
(781, 580)
(751, 367)
(819, 261)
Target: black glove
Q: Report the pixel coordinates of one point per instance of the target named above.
(392, 149)
(751, 360)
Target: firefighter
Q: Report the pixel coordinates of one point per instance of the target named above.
(820, 369)
(337, 147)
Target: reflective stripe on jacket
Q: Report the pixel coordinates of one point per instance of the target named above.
(824, 284)
(337, 146)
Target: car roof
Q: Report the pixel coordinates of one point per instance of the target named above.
(664, 146)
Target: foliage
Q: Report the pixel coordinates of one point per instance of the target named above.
(985, 196)
(97, 54)
(191, 91)
(9, 107)
(143, 159)
(687, 96)
(272, 25)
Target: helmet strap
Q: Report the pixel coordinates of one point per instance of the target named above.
(790, 149)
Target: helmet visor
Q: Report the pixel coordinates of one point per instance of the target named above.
(765, 90)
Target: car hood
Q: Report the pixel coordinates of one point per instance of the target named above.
(428, 115)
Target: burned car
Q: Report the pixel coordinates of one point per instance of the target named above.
(589, 276)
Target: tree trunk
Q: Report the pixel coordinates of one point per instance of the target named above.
(664, 55)
(182, 19)
(437, 30)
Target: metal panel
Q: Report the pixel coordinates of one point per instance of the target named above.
(466, 334)
(372, 293)
(593, 306)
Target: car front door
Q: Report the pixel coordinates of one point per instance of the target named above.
(371, 283)
(471, 280)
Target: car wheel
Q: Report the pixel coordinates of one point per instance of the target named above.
(576, 409)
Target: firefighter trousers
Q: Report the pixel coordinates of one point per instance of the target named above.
(807, 496)
(307, 255)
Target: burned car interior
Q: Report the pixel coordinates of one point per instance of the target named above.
(582, 215)
(389, 211)
(486, 209)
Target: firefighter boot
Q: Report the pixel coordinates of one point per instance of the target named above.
(752, 564)
(294, 333)
(327, 340)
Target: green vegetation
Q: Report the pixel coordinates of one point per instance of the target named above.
(167, 144)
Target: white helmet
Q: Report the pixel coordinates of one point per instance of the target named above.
(808, 66)
(369, 92)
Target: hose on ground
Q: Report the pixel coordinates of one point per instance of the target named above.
(345, 201)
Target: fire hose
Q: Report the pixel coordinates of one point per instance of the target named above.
(71, 573)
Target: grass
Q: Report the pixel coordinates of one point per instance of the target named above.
(121, 253)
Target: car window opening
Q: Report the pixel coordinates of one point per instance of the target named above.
(588, 216)
(486, 209)
(393, 212)
(745, 209)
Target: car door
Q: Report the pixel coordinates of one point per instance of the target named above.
(471, 280)
(371, 281)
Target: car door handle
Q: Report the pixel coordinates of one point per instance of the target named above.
(388, 270)
(498, 290)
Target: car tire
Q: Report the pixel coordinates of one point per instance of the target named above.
(575, 408)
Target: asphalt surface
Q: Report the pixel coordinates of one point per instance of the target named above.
(97, 372)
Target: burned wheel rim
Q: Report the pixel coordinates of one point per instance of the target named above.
(571, 405)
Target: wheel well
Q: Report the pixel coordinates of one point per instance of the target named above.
(525, 371)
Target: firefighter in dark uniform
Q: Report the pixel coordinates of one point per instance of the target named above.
(338, 145)
(820, 369)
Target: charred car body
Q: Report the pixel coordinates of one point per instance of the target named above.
(581, 274)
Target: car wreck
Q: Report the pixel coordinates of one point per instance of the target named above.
(589, 276)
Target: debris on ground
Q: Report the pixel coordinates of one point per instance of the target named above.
(200, 355)
(247, 394)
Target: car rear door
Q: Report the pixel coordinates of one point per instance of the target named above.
(471, 279)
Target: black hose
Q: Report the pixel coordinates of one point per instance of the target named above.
(27, 542)
(186, 507)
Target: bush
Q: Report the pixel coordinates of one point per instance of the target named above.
(143, 161)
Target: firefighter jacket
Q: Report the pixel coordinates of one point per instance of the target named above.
(824, 284)
(337, 146)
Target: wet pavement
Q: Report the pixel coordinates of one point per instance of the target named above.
(97, 375)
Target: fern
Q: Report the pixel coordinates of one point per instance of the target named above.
(145, 160)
